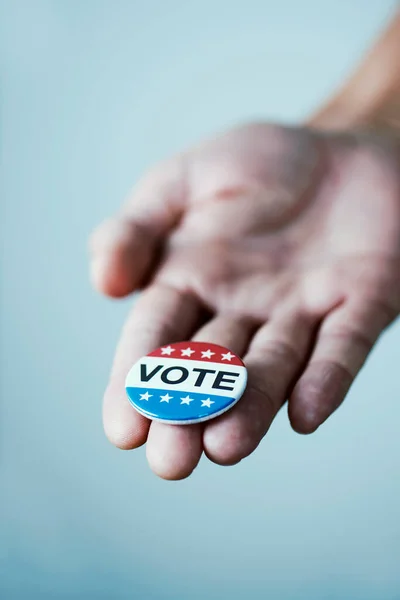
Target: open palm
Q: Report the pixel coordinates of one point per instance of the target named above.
(281, 244)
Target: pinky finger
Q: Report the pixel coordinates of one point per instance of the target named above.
(344, 341)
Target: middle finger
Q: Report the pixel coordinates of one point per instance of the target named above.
(173, 451)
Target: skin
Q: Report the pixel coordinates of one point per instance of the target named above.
(282, 244)
(370, 99)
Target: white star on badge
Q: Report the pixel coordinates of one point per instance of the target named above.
(207, 402)
(228, 356)
(167, 350)
(145, 396)
(187, 352)
(166, 398)
(207, 354)
(187, 400)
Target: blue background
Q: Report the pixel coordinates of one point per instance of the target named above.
(93, 92)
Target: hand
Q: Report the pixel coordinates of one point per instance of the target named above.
(280, 244)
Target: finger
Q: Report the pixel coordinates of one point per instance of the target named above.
(161, 315)
(174, 451)
(275, 356)
(232, 332)
(343, 343)
(124, 248)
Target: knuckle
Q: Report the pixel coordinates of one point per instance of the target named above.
(283, 351)
(352, 337)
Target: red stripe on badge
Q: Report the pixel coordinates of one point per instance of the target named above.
(199, 351)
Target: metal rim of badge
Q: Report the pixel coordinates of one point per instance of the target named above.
(186, 382)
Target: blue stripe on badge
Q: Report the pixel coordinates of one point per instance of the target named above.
(177, 406)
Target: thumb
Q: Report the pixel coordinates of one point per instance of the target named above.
(123, 248)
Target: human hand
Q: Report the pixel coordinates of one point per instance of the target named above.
(280, 244)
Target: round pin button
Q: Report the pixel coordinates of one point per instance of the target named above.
(186, 382)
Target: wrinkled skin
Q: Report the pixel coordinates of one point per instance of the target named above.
(281, 244)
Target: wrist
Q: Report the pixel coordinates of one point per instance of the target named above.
(386, 118)
(370, 100)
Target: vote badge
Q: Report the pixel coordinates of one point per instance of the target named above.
(186, 382)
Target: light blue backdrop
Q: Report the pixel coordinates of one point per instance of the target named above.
(93, 92)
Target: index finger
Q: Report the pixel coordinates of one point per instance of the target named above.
(160, 316)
